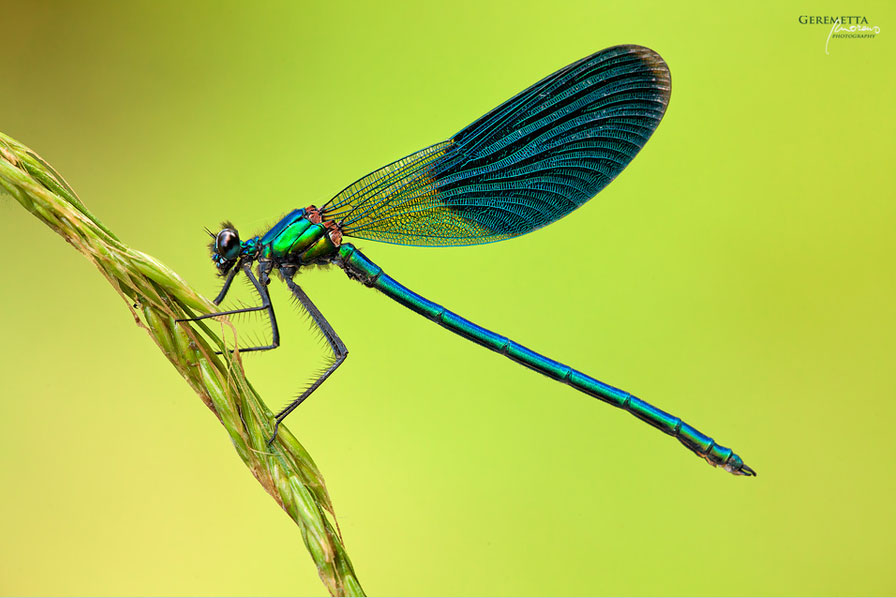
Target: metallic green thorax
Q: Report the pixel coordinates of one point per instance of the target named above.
(299, 239)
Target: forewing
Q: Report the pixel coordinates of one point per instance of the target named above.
(527, 163)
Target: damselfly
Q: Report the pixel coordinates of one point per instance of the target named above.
(527, 163)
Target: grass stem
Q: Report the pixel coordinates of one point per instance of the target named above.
(156, 297)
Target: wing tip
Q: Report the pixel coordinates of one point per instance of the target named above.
(652, 60)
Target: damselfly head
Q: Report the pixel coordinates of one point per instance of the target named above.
(226, 248)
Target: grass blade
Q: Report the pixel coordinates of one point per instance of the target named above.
(156, 297)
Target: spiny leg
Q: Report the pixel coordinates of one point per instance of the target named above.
(262, 288)
(266, 304)
(226, 286)
(339, 350)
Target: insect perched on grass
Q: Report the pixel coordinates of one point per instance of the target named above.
(527, 163)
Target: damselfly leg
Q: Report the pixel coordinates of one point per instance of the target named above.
(339, 350)
(262, 288)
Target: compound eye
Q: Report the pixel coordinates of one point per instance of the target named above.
(227, 243)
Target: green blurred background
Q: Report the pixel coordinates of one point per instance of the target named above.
(739, 273)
